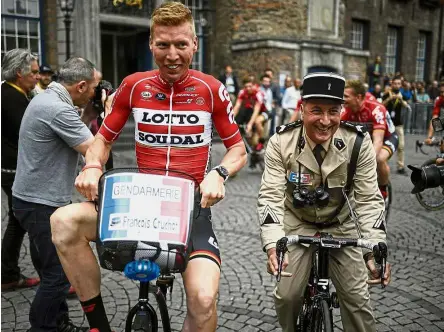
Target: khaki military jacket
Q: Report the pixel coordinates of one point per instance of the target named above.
(279, 218)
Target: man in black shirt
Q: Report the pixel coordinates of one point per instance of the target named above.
(20, 72)
(395, 104)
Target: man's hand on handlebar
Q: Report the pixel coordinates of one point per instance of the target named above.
(87, 183)
(375, 277)
(273, 265)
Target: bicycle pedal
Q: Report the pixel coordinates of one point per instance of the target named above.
(334, 300)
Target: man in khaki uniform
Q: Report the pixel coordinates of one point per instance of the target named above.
(311, 153)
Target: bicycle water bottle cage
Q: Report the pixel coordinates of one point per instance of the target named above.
(142, 270)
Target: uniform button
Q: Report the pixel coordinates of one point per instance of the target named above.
(342, 182)
(319, 218)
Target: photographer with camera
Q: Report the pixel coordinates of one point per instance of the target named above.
(52, 135)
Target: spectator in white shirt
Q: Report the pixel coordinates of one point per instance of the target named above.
(290, 100)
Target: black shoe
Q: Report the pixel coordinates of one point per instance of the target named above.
(401, 171)
(66, 325)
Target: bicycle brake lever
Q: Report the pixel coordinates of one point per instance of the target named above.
(281, 248)
(383, 254)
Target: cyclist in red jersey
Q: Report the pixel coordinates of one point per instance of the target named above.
(174, 109)
(438, 110)
(250, 109)
(362, 107)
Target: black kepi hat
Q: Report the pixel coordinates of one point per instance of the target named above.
(323, 86)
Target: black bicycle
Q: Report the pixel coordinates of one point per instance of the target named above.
(146, 244)
(316, 314)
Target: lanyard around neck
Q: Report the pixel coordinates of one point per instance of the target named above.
(19, 89)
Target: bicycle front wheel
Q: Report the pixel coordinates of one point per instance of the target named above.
(322, 318)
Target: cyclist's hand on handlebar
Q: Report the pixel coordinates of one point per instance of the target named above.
(87, 183)
(375, 278)
(212, 189)
(272, 263)
(440, 161)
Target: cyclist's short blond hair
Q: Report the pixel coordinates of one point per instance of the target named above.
(172, 13)
(357, 86)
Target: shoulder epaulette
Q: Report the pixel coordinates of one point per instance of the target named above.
(353, 127)
(288, 126)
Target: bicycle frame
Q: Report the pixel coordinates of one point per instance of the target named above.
(159, 291)
(318, 287)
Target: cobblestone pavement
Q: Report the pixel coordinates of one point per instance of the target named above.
(413, 302)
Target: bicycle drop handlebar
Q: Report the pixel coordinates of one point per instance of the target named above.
(379, 249)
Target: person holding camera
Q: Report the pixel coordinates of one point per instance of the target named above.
(51, 137)
(302, 192)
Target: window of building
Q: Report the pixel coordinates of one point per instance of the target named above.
(21, 25)
(392, 50)
(359, 35)
(421, 56)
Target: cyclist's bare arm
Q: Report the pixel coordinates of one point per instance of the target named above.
(87, 183)
(430, 131)
(235, 158)
(237, 106)
(256, 110)
(378, 139)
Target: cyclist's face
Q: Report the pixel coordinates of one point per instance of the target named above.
(249, 88)
(321, 119)
(173, 48)
(352, 101)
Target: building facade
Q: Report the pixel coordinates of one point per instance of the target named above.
(296, 37)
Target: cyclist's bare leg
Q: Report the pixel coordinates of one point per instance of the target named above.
(73, 227)
(201, 282)
(259, 125)
(383, 168)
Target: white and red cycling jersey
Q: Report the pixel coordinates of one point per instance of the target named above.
(174, 122)
(250, 99)
(373, 113)
(438, 106)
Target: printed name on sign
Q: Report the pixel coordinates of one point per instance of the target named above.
(131, 190)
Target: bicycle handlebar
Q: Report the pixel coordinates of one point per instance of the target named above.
(379, 249)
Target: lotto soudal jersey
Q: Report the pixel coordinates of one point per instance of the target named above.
(174, 122)
(250, 99)
(373, 114)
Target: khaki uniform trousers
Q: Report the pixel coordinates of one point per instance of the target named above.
(348, 273)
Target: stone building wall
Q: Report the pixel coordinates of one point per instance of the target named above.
(410, 16)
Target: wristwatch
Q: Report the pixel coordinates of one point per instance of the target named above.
(223, 172)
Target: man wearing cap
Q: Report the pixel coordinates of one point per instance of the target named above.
(314, 153)
(45, 79)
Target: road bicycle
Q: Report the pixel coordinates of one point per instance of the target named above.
(316, 314)
(146, 244)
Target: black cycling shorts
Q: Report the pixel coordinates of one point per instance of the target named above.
(391, 144)
(203, 242)
(244, 116)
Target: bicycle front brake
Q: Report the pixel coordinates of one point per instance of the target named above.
(281, 249)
